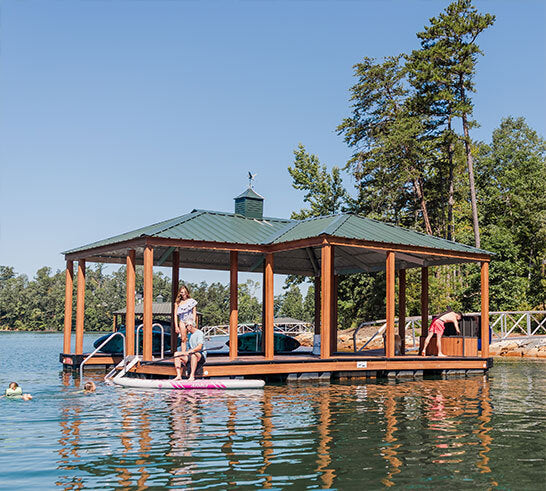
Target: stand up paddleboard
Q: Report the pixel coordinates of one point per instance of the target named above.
(220, 383)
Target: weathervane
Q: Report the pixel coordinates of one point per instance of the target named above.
(251, 178)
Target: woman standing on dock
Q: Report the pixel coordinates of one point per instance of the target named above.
(186, 308)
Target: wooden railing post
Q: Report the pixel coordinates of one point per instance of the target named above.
(175, 274)
(147, 348)
(402, 310)
(326, 300)
(317, 304)
(333, 326)
(390, 303)
(130, 302)
(80, 306)
(68, 292)
(485, 309)
(424, 301)
(268, 309)
(233, 303)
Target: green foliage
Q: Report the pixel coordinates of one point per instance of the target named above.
(323, 191)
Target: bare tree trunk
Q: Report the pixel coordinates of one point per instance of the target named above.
(418, 185)
(451, 193)
(470, 164)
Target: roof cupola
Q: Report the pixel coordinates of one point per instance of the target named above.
(250, 204)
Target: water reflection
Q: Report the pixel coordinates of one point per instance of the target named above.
(426, 433)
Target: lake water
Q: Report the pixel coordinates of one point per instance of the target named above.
(481, 432)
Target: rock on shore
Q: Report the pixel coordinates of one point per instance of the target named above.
(531, 348)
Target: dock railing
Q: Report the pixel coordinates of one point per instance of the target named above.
(292, 329)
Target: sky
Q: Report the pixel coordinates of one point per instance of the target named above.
(115, 114)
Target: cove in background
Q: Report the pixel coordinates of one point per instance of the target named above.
(483, 432)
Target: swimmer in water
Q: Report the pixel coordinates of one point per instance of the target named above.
(89, 387)
(15, 392)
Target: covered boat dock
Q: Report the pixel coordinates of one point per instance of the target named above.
(323, 248)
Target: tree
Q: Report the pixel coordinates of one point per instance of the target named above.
(511, 177)
(324, 191)
(446, 64)
(291, 303)
(389, 163)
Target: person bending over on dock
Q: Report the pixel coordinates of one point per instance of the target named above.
(186, 309)
(437, 327)
(194, 353)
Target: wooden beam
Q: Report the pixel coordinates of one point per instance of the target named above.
(148, 299)
(165, 256)
(333, 327)
(485, 309)
(326, 300)
(123, 245)
(68, 292)
(402, 310)
(233, 304)
(424, 301)
(313, 260)
(268, 309)
(390, 304)
(175, 274)
(317, 304)
(80, 307)
(130, 302)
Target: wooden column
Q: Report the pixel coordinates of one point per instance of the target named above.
(333, 326)
(148, 299)
(485, 309)
(268, 308)
(175, 274)
(130, 302)
(233, 303)
(68, 289)
(402, 310)
(80, 306)
(424, 301)
(390, 302)
(326, 300)
(317, 304)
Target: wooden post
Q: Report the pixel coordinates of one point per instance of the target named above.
(80, 306)
(174, 292)
(402, 310)
(233, 304)
(317, 304)
(390, 301)
(115, 323)
(268, 308)
(485, 309)
(333, 326)
(130, 302)
(68, 291)
(148, 299)
(326, 300)
(424, 301)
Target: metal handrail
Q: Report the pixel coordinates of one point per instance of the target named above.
(117, 333)
(162, 337)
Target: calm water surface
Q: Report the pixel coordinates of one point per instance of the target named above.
(480, 432)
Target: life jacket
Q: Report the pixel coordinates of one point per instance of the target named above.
(14, 392)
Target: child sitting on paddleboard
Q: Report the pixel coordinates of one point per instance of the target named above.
(16, 392)
(194, 352)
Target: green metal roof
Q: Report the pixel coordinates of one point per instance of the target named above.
(249, 193)
(213, 226)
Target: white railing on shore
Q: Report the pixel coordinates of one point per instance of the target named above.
(503, 324)
(293, 329)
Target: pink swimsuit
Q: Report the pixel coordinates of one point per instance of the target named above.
(437, 326)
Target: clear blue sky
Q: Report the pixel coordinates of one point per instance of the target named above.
(118, 114)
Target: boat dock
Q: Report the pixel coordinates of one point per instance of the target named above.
(322, 248)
